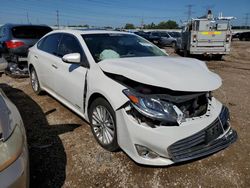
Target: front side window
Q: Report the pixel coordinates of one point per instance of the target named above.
(69, 44)
(116, 45)
(50, 43)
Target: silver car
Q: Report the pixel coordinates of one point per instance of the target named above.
(167, 39)
(14, 171)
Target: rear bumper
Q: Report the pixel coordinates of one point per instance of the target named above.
(209, 50)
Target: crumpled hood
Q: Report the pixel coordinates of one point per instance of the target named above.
(175, 73)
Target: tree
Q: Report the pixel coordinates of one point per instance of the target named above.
(150, 26)
(170, 24)
(129, 26)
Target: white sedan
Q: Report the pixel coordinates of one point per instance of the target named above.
(158, 109)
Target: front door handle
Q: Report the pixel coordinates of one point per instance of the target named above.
(54, 66)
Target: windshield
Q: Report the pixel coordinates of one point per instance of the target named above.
(175, 34)
(116, 45)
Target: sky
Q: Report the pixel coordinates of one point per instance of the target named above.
(116, 13)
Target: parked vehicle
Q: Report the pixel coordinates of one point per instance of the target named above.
(14, 160)
(154, 37)
(206, 36)
(244, 36)
(175, 34)
(235, 36)
(157, 109)
(143, 34)
(162, 38)
(15, 40)
(3, 65)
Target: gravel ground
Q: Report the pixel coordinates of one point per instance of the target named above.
(63, 152)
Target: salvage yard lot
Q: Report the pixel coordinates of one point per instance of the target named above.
(63, 151)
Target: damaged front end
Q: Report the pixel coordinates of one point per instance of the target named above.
(157, 106)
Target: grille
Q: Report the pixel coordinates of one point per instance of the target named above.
(204, 142)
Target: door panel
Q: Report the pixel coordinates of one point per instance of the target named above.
(47, 59)
(70, 78)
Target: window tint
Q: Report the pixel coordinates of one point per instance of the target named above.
(69, 44)
(50, 43)
(163, 34)
(30, 32)
(156, 34)
(3, 31)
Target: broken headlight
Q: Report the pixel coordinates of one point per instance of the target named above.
(154, 108)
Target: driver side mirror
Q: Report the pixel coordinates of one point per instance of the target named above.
(72, 58)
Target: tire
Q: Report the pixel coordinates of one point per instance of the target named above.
(103, 124)
(173, 44)
(218, 57)
(185, 52)
(35, 82)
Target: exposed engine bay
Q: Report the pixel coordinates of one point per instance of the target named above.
(191, 104)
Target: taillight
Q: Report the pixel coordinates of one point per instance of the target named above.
(14, 44)
(228, 38)
(194, 38)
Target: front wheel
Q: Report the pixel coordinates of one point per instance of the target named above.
(34, 81)
(103, 124)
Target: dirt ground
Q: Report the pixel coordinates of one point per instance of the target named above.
(63, 152)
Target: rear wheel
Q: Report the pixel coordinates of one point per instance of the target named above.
(34, 81)
(185, 52)
(173, 44)
(103, 124)
(218, 57)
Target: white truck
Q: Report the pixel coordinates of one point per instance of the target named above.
(206, 36)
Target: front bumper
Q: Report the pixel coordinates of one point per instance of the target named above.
(174, 144)
(17, 174)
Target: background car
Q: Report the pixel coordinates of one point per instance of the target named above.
(142, 34)
(14, 160)
(175, 34)
(235, 36)
(15, 40)
(163, 38)
(245, 36)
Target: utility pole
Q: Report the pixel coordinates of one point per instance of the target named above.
(28, 19)
(189, 11)
(142, 23)
(246, 19)
(57, 18)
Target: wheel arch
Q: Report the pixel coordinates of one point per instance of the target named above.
(93, 97)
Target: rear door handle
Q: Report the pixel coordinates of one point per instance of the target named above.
(36, 57)
(54, 66)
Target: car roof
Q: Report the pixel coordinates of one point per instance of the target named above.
(85, 32)
(10, 25)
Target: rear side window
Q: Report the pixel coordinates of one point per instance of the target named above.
(30, 32)
(3, 31)
(50, 43)
(69, 44)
